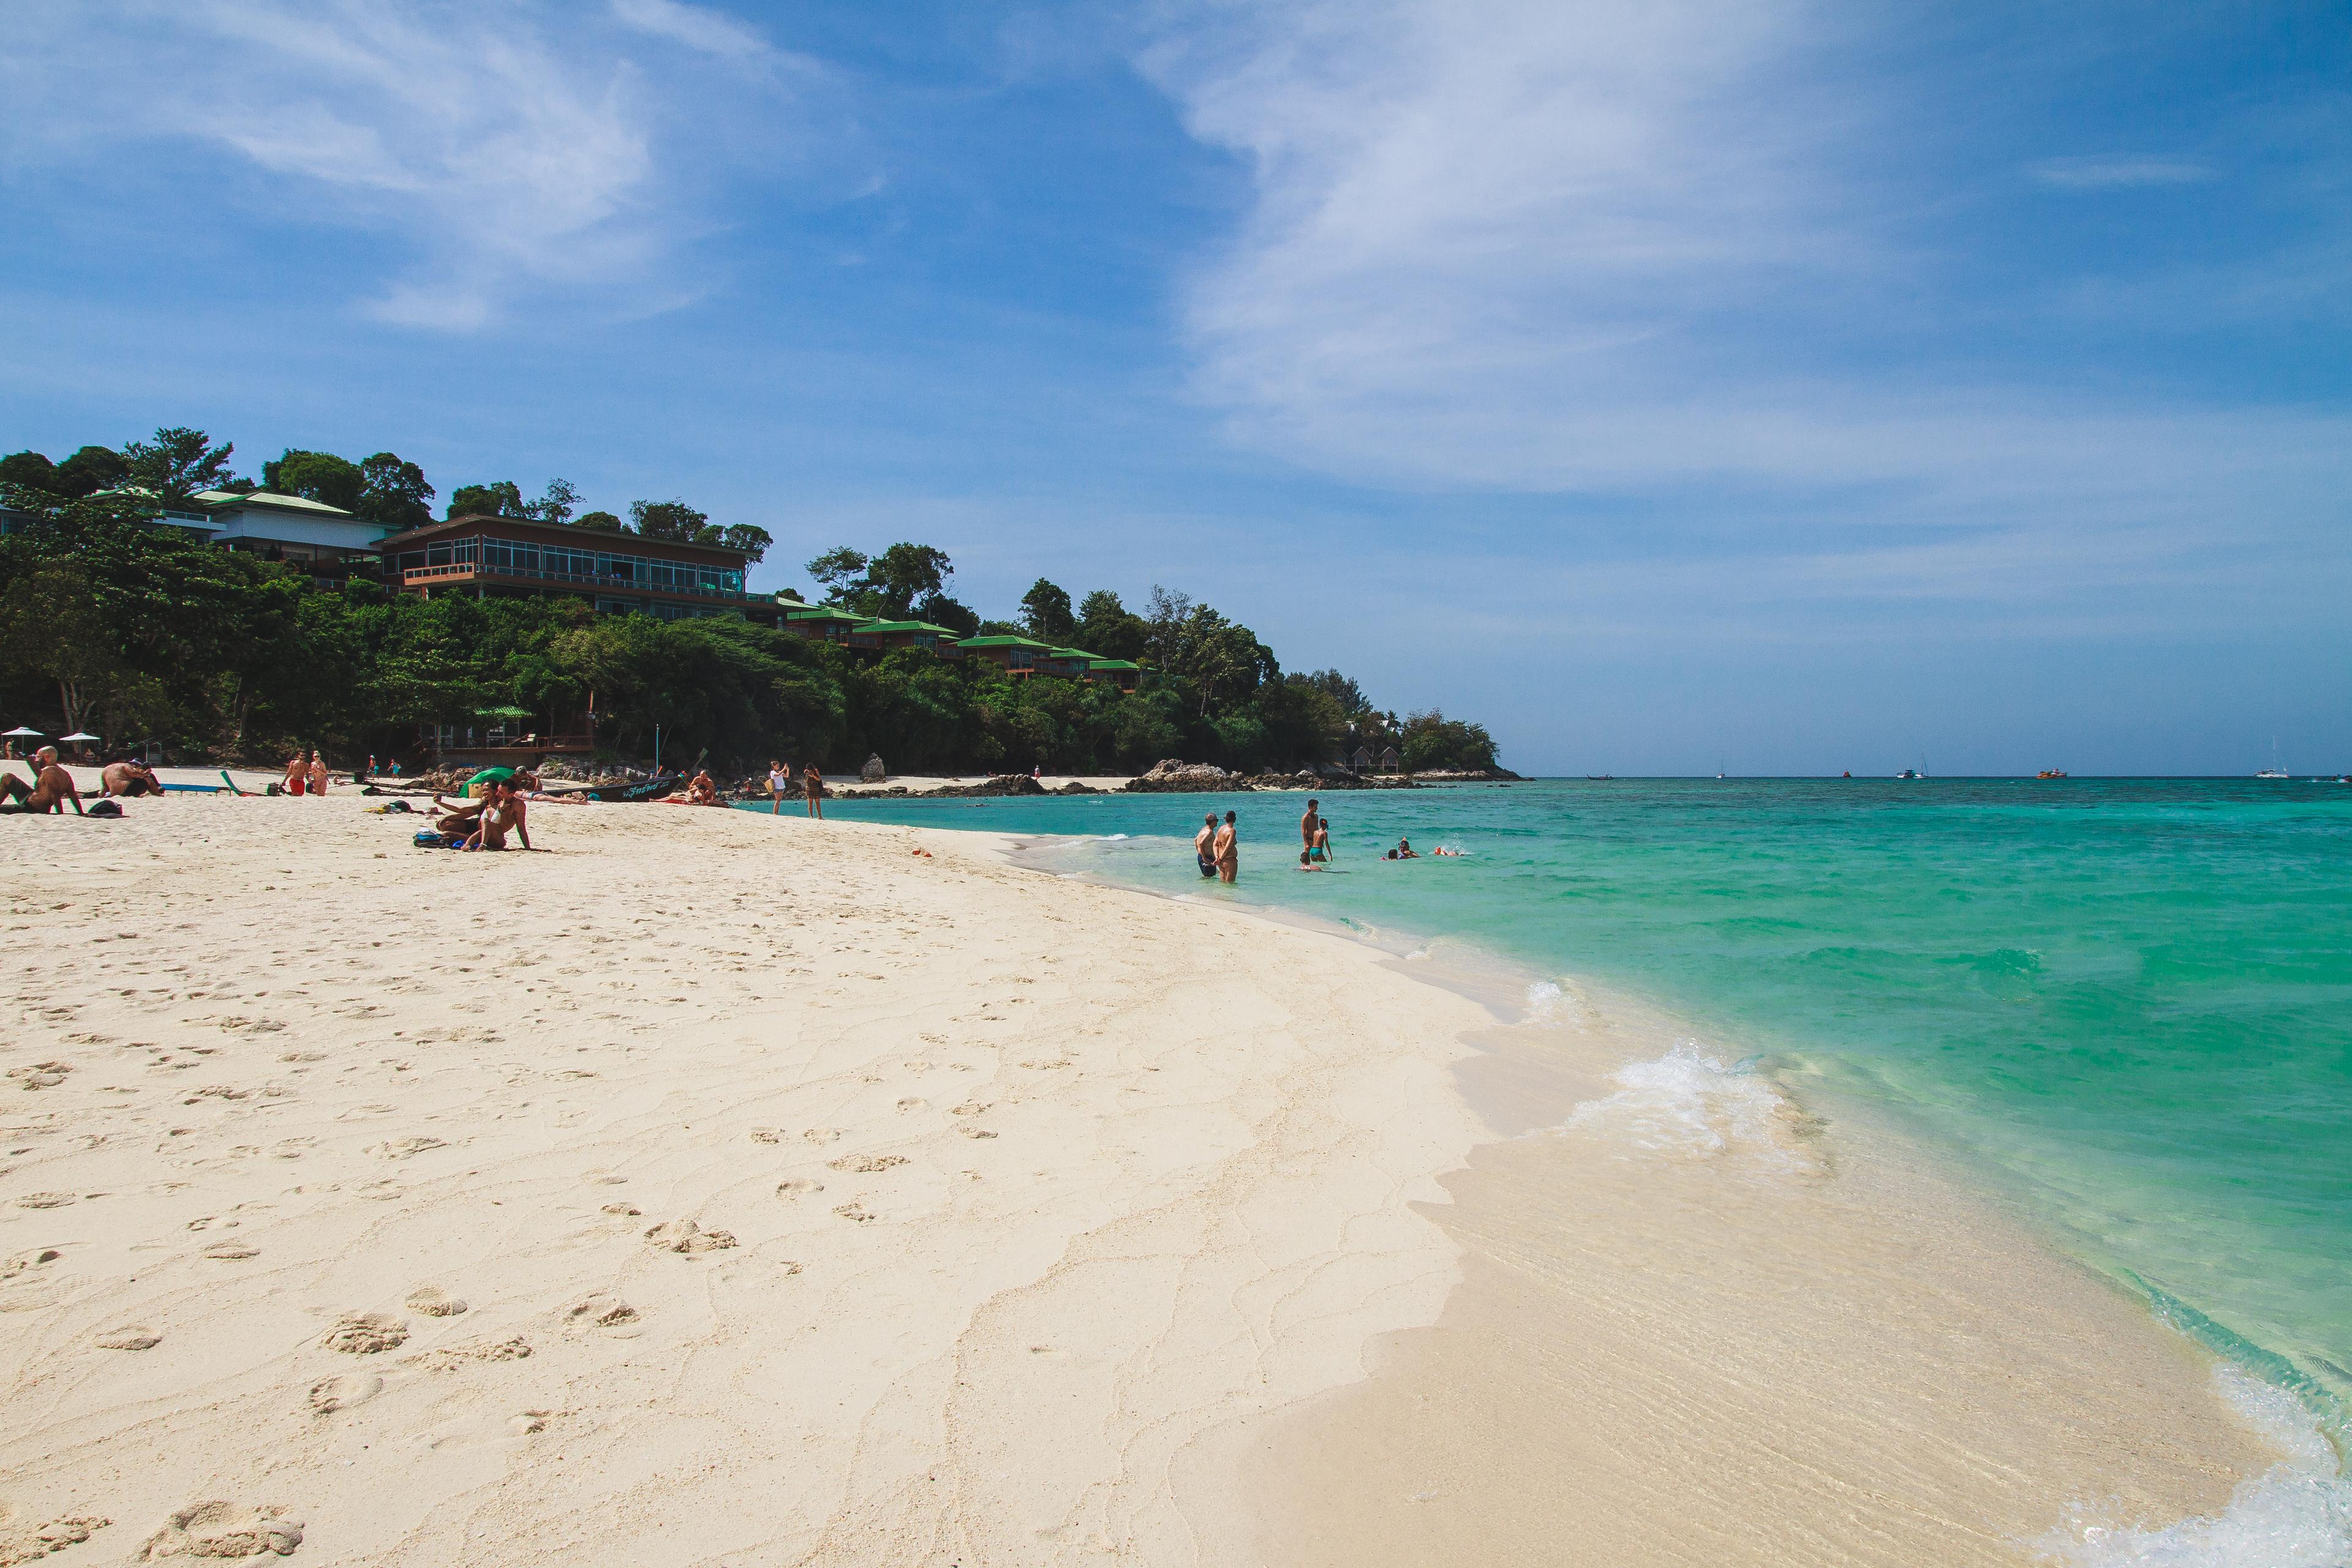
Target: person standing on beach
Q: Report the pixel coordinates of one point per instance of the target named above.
(780, 785)
(297, 775)
(317, 772)
(1229, 853)
(812, 786)
(1203, 845)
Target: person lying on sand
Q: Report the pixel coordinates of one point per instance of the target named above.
(129, 777)
(504, 813)
(52, 787)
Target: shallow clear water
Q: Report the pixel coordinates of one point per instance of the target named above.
(2131, 1000)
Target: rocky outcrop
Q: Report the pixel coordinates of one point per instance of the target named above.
(873, 771)
(1001, 784)
(1176, 776)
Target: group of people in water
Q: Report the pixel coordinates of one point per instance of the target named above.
(1216, 848)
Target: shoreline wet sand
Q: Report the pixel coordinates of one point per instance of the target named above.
(815, 1201)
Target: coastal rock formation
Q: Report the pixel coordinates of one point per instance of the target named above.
(873, 771)
(1001, 784)
(1173, 776)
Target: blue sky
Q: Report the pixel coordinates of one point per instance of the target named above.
(1788, 387)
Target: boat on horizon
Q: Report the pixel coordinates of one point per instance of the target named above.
(1910, 774)
(2050, 773)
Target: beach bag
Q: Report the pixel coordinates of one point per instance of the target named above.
(104, 808)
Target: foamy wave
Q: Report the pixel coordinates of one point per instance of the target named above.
(2296, 1514)
(1689, 1104)
(1544, 999)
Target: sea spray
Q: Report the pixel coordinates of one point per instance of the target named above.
(2296, 1514)
(1690, 1104)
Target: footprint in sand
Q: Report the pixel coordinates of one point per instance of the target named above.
(822, 1134)
(434, 1303)
(23, 1542)
(798, 1187)
(600, 1309)
(683, 1236)
(341, 1392)
(224, 1530)
(231, 1251)
(855, 1211)
(128, 1340)
(45, 1200)
(912, 1103)
(303, 1057)
(366, 1334)
(868, 1162)
(975, 1132)
(624, 1211)
(290, 1148)
(967, 1109)
(40, 1075)
(402, 1148)
(765, 1135)
(443, 1359)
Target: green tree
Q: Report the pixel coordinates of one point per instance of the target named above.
(51, 626)
(31, 469)
(1433, 741)
(177, 464)
(89, 471)
(750, 538)
(394, 492)
(501, 499)
(889, 585)
(1109, 628)
(674, 521)
(557, 505)
(1045, 612)
(601, 522)
(317, 476)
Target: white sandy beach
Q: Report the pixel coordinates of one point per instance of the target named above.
(714, 1190)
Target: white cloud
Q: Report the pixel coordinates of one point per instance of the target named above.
(504, 151)
(1624, 246)
(2118, 174)
(697, 26)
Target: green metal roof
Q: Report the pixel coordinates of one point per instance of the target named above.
(1004, 641)
(794, 612)
(1114, 664)
(1072, 653)
(229, 500)
(904, 627)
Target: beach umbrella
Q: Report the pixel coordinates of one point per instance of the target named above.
(24, 733)
(81, 735)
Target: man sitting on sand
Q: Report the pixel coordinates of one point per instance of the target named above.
(700, 790)
(52, 787)
(504, 813)
(1203, 845)
(129, 777)
(457, 818)
(1229, 850)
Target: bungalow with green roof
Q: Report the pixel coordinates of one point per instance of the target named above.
(1018, 655)
(900, 634)
(818, 623)
(332, 543)
(1122, 673)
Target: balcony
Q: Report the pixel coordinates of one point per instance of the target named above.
(601, 583)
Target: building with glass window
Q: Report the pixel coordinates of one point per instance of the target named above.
(619, 572)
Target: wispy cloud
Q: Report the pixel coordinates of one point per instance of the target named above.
(502, 151)
(2118, 174)
(1628, 247)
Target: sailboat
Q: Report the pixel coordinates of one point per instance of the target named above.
(2274, 770)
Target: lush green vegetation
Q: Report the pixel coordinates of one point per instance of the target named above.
(133, 631)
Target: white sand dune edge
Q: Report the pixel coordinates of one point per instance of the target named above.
(710, 1190)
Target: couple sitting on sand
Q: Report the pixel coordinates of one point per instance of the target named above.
(484, 823)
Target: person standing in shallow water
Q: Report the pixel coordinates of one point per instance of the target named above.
(1307, 825)
(1229, 853)
(1205, 846)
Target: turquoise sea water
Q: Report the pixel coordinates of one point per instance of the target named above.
(2128, 1001)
